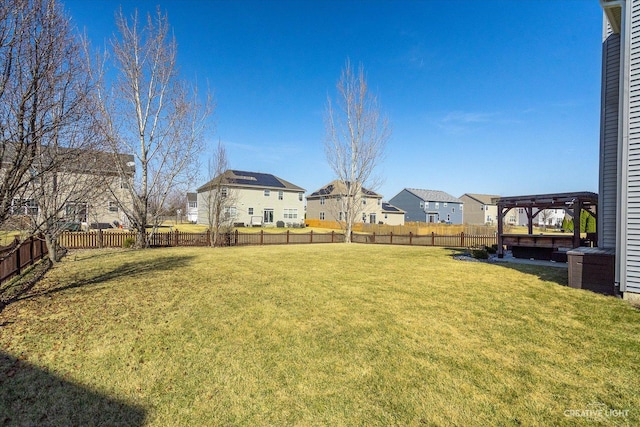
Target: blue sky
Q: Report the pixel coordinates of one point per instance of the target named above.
(499, 97)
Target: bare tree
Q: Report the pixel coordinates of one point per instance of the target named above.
(356, 137)
(45, 120)
(153, 115)
(219, 199)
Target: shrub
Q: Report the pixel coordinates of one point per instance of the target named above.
(280, 224)
(479, 253)
(129, 242)
(491, 249)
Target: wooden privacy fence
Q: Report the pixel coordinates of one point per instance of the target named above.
(98, 239)
(15, 257)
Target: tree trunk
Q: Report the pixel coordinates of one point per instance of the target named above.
(52, 248)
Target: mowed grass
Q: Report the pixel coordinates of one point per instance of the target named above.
(334, 334)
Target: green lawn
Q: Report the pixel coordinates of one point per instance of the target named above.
(335, 335)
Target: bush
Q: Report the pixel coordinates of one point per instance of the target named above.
(280, 224)
(491, 249)
(479, 253)
(129, 242)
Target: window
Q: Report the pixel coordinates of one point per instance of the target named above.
(460, 207)
(444, 204)
(267, 216)
(364, 201)
(250, 211)
(322, 200)
(224, 191)
(340, 216)
(372, 218)
(300, 195)
(193, 204)
(437, 205)
(379, 202)
(364, 217)
(481, 207)
(24, 207)
(76, 212)
(322, 216)
(280, 195)
(453, 210)
(448, 217)
(113, 207)
(291, 214)
(124, 183)
(230, 212)
(267, 193)
(422, 205)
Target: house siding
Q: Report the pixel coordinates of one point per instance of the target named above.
(631, 157)
(410, 203)
(246, 198)
(609, 133)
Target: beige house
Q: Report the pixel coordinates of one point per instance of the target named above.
(254, 199)
(323, 204)
(87, 192)
(480, 209)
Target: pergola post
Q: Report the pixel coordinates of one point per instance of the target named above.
(501, 212)
(577, 211)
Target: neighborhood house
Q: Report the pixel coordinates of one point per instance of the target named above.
(253, 199)
(324, 204)
(429, 206)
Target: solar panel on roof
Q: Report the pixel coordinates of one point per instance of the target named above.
(257, 179)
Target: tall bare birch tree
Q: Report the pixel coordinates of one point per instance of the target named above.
(154, 115)
(219, 199)
(45, 112)
(357, 134)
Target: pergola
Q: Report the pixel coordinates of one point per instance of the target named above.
(572, 203)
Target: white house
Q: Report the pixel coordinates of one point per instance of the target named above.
(254, 199)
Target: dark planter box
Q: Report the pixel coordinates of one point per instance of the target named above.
(592, 269)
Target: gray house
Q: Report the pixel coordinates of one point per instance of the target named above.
(428, 206)
(619, 190)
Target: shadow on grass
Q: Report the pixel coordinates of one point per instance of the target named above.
(131, 270)
(32, 396)
(557, 275)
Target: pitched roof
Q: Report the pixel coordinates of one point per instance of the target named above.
(485, 199)
(236, 178)
(389, 208)
(192, 197)
(337, 187)
(433, 195)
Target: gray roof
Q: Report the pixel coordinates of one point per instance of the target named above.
(485, 199)
(389, 208)
(337, 188)
(236, 178)
(192, 197)
(433, 195)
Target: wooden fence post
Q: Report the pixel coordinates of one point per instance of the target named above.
(410, 238)
(462, 239)
(31, 257)
(261, 237)
(287, 237)
(311, 237)
(17, 244)
(235, 243)
(373, 237)
(332, 235)
(433, 238)
(391, 238)
(177, 238)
